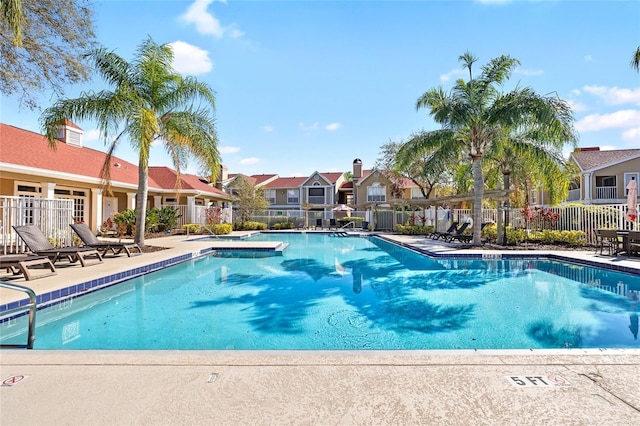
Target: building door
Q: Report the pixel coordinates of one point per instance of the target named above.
(109, 207)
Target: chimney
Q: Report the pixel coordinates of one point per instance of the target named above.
(357, 169)
(222, 176)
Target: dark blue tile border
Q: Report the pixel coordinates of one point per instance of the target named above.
(507, 255)
(59, 295)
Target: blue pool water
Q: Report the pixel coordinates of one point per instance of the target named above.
(328, 292)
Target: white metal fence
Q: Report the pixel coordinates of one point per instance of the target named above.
(51, 216)
(585, 218)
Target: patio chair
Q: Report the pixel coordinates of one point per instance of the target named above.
(611, 241)
(332, 224)
(437, 234)
(319, 224)
(90, 240)
(458, 234)
(634, 242)
(21, 263)
(40, 245)
(597, 241)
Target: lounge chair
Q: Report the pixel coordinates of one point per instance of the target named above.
(38, 243)
(437, 235)
(332, 224)
(458, 234)
(319, 224)
(21, 263)
(90, 240)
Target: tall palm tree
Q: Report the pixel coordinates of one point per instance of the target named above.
(13, 16)
(475, 114)
(635, 61)
(149, 103)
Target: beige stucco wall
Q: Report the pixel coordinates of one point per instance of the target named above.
(618, 170)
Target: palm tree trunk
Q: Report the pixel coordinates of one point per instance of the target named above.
(141, 201)
(478, 195)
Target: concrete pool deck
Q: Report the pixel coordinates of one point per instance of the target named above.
(568, 387)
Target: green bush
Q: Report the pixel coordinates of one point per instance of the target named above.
(126, 221)
(191, 228)
(249, 226)
(222, 228)
(283, 225)
(414, 229)
(490, 232)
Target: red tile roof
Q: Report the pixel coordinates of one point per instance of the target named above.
(286, 182)
(19, 147)
(167, 178)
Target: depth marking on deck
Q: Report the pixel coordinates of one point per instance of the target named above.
(13, 380)
(539, 381)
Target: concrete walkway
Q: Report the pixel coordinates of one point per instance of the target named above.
(560, 387)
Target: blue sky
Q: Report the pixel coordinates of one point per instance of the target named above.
(304, 86)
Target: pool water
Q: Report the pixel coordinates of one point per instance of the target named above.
(329, 292)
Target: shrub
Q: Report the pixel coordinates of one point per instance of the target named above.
(249, 226)
(191, 228)
(126, 221)
(490, 232)
(222, 228)
(283, 225)
(414, 229)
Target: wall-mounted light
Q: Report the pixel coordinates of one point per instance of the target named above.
(117, 165)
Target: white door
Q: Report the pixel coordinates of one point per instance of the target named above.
(109, 207)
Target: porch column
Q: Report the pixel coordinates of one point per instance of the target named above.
(587, 187)
(131, 200)
(95, 209)
(191, 208)
(48, 190)
(157, 201)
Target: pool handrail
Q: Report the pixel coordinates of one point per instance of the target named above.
(32, 306)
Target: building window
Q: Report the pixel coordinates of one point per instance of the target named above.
(416, 194)
(79, 201)
(293, 196)
(316, 195)
(376, 193)
(270, 195)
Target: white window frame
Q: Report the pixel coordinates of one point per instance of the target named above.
(293, 196)
(376, 193)
(270, 195)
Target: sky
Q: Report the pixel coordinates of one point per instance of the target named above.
(305, 86)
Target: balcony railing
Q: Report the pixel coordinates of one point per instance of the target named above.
(606, 192)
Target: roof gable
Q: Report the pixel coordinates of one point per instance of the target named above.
(591, 160)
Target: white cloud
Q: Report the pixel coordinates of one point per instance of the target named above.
(623, 118)
(577, 106)
(314, 126)
(249, 161)
(632, 135)
(453, 73)
(189, 59)
(333, 126)
(532, 73)
(267, 129)
(588, 58)
(205, 22)
(228, 149)
(615, 95)
(91, 135)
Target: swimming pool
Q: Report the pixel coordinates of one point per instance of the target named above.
(330, 292)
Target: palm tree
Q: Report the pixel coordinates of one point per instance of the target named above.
(13, 16)
(635, 61)
(149, 103)
(475, 114)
